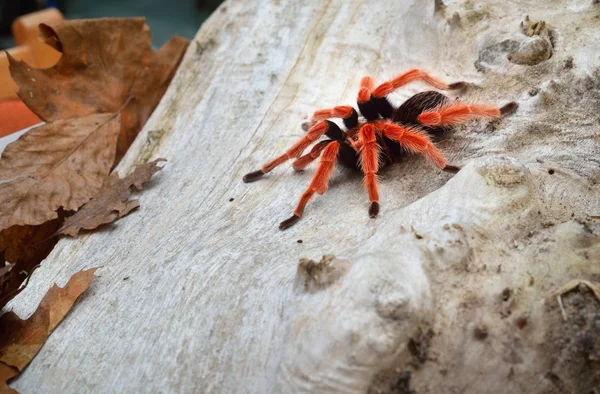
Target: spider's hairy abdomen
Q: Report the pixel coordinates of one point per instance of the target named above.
(408, 113)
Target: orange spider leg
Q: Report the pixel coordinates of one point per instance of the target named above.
(416, 141)
(342, 111)
(318, 184)
(364, 92)
(369, 160)
(313, 134)
(413, 75)
(308, 158)
(455, 113)
(345, 112)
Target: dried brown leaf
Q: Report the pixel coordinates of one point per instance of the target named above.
(3, 271)
(6, 373)
(24, 247)
(61, 164)
(104, 62)
(27, 246)
(10, 282)
(112, 201)
(21, 340)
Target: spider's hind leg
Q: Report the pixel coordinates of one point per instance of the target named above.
(509, 108)
(408, 113)
(415, 74)
(455, 112)
(374, 103)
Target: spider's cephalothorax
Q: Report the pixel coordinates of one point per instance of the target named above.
(381, 137)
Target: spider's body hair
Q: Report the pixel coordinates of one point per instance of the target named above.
(405, 115)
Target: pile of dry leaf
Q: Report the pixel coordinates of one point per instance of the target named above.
(55, 179)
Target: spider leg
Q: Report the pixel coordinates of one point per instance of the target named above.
(301, 163)
(373, 103)
(345, 112)
(295, 150)
(370, 106)
(415, 74)
(369, 161)
(416, 141)
(454, 113)
(364, 92)
(318, 184)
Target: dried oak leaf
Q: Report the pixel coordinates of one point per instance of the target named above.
(112, 201)
(24, 247)
(60, 164)
(104, 63)
(21, 340)
(27, 246)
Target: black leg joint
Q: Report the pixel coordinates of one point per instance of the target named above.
(369, 110)
(383, 106)
(352, 121)
(334, 132)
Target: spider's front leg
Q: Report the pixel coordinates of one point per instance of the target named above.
(369, 162)
(345, 112)
(300, 163)
(318, 184)
(294, 151)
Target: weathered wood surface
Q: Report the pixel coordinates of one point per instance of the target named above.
(202, 294)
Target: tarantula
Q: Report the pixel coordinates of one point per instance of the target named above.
(382, 137)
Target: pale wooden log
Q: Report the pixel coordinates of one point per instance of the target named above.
(202, 294)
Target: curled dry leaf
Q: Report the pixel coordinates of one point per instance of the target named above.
(21, 340)
(112, 201)
(24, 247)
(27, 246)
(104, 62)
(61, 164)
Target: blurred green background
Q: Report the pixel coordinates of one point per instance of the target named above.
(166, 18)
